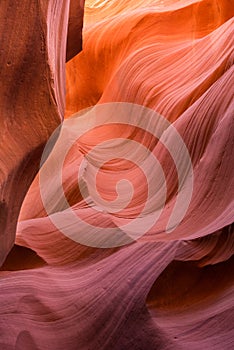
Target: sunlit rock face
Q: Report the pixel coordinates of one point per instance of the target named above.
(125, 236)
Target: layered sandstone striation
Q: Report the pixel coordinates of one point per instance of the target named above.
(61, 286)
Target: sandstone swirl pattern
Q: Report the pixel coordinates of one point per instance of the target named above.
(164, 291)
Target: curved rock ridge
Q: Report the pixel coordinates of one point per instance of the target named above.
(125, 238)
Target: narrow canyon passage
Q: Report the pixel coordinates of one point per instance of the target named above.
(116, 175)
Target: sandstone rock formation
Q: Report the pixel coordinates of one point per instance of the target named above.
(150, 73)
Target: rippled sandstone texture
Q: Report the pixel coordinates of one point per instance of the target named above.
(165, 291)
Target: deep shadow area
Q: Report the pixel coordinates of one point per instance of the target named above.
(22, 258)
(184, 284)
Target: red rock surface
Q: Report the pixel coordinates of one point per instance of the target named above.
(158, 290)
